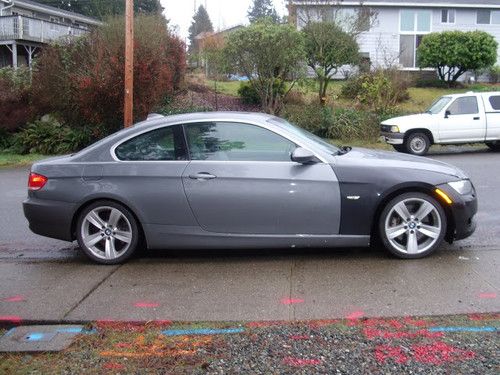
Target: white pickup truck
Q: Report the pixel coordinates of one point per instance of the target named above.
(452, 119)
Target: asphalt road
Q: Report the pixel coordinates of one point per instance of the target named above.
(48, 280)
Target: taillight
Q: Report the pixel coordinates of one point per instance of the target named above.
(36, 181)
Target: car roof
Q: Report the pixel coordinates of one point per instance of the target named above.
(471, 93)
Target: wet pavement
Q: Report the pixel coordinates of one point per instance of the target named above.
(48, 280)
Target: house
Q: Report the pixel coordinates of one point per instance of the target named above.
(25, 26)
(397, 27)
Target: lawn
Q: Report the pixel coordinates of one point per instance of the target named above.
(16, 160)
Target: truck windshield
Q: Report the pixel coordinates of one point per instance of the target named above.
(438, 105)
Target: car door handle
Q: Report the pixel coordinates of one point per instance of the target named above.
(477, 118)
(202, 176)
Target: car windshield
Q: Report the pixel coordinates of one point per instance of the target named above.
(438, 105)
(302, 133)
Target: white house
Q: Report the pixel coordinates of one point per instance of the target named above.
(397, 27)
(26, 25)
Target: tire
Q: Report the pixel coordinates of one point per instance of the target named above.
(107, 232)
(417, 144)
(494, 146)
(417, 237)
(399, 148)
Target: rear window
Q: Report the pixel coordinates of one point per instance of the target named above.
(495, 102)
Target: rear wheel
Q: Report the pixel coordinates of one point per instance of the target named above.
(107, 232)
(417, 144)
(412, 225)
(494, 146)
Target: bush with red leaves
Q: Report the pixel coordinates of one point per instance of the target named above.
(14, 99)
(83, 79)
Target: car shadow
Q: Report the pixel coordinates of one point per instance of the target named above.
(458, 150)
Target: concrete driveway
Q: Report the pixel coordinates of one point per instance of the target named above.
(48, 280)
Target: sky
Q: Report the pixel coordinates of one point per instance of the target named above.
(223, 13)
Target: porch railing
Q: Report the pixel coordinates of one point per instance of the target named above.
(35, 30)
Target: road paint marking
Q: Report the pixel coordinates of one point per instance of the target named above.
(146, 304)
(201, 331)
(299, 362)
(291, 301)
(487, 295)
(15, 299)
(463, 329)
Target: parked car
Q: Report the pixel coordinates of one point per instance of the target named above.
(234, 180)
(452, 119)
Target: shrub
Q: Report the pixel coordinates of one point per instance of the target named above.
(50, 137)
(248, 94)
(494, 74)
(14, 98)
(83, 79)
(325, 122)
(432, 83)
(380, 91)
(5, 139)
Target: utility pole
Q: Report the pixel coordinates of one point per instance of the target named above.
(128, 115)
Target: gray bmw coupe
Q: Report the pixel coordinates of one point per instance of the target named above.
(240, 180)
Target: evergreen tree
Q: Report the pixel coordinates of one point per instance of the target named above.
(201, 23)
(262, 9)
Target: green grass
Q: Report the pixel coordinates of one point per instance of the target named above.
(16, 160)
(226, 87)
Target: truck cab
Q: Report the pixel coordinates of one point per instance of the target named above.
(452, 119)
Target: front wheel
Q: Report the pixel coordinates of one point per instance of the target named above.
(494, 145)
(107, 232)
(417, 144)
(412, 225)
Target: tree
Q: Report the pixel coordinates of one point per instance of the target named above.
(268, 54)
(201, 23)
(101, 9)
(262, 9)
(328, 48)
(82, 79)
(453, 53)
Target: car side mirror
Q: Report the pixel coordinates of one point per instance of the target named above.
(303, 156)
(447, 114)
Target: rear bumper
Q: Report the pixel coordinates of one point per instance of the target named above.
(393, 138)
(463, 212)
(50, 218)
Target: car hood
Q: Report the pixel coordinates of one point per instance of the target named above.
(418, 118)
(395, 160)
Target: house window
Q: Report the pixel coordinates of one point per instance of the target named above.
(415, 21)
(448, 16)
(414, 24)
(487, 17)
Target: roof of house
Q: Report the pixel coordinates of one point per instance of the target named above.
(47, 9)
(407, 3)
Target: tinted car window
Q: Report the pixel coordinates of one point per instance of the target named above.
(157, 145)
(464, 106)
(236, 142)
(495, 102)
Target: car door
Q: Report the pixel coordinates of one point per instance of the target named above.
(463, 121)
(241, 180)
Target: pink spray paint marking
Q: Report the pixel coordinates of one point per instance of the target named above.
(383, 353)
(14, 299)
(354, 317)
(10, 319)
(146, 304)
(299, 337)
(291, 301)
(440, 353)
(487, 295)
(298, 362)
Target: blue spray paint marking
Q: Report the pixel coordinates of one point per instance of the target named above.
(76, 330)
(463, 329)
(10, 332)
(201, 331)
(35, 336)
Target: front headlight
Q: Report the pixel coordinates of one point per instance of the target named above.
(461, 187)
(394, 129)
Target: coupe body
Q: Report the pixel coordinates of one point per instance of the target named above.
(239, 180)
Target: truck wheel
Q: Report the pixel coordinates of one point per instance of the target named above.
(399, 148)
(417, 144)
(494, 146)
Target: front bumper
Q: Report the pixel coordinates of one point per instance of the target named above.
(393, 138)
(50, 218)
(462, 212)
